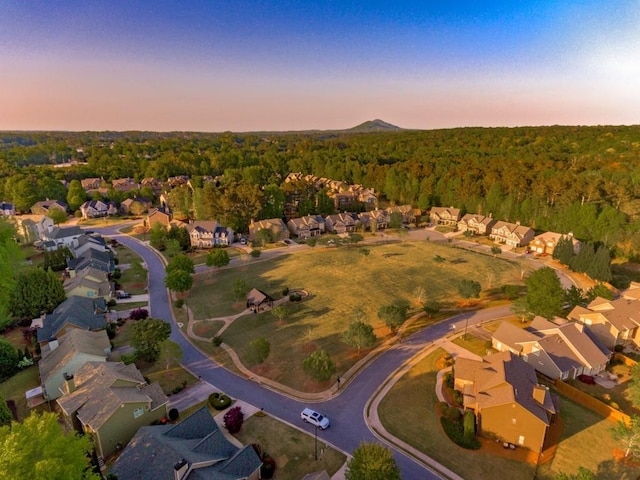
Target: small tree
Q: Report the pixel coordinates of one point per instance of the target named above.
(233, 420)
(178, 281)
(6, 417)
(180, 262)
(57, 215)
(469, 289)
(432, 307)
(217, 258)
(319, 366)
(628, 435)
(8, 360)
(170, 352)
(495, 250)
(469, 424)
(258, 350)
(364, 252)
(598, 290)
(563, 251)
(139, 314)
(239, 288)
(263, 236)
(147, 336)
(360, 334)
(545, 295)
(393, 315)
(521, 309)
(574, 296)
(372, 461)
(280, 312)
(355, 238)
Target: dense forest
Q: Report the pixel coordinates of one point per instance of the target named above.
(580, 179)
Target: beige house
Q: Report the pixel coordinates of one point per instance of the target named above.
(503, 392)
(476, 224)
(97, 209)
(110, 402)
(374, 220)
(161, 215)
(135, 206)
(633, 292)
(407, 212)
(545, 243)
(341, 223)
(67, 354)
(306, 227)
(279, 230)
(612, 322)
(558, 349)
(89, 282)
(512, 234)
(209, 234)
(444, 216)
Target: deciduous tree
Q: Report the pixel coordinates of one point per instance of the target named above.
(319, 366)
(178, 281)
(39, 449)
(35, 290)
(280, 312)
(6, 417)
(545, 295)
(360, 334)
(217, 257)
(180, 262)
(372, 461)
(628, 435)
(469, 289)
(170, 353)
(393, 315)
(147, 336)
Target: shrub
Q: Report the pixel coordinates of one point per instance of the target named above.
(618, 348)
(255, 253)
(442, 407)
(177, 389)
(174, 414)
(128, 358)
(216, 340)
(178, 303)
(455, 432)
(233, 419)
(453, 414)
(312, 242)
(295, 297)
(219, 402)
(139, 314)
(116, 274)
(469, 426)
(112, 302)
(285, 291)
(268, 467)
(111, 330)
(614, 405)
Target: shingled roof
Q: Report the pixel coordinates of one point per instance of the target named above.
(155, 451)
(81, 312)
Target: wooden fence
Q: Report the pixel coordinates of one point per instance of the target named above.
(591, 403)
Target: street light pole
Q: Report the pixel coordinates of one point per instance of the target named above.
(316, 443)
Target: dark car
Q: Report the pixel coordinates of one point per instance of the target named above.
(121, 295)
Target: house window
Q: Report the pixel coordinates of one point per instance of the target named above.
(513, 421)
(138, 412)
(521, 440)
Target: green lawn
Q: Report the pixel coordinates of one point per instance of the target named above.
(586, 442)
(119, 307)
(292, 449)
(474, 344)
(390, 272)
(134, 278)
(417, 424)
(15, 387)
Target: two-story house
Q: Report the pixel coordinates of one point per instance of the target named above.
(209, 234)
(109, 402)
(306, 227)
(445, 216)
(341, 223)
(503, 392)
(476, 224)
(279, 230)
(98, 208)
(512, 234)
(545, 243)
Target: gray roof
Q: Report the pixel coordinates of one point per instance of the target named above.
(70, 344)
(154, 450)
(65, 232)
(81, 312)
(92, 258)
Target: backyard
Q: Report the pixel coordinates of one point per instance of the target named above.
(339, 282)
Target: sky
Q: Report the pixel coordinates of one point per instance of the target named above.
(240, 65)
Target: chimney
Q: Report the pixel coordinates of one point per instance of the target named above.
(69, 384)
(181, 469)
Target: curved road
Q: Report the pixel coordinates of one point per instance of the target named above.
(346, 410)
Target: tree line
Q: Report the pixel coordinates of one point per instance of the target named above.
(584, 180)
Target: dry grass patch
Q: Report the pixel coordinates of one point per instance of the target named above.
(417, 423)
(292, 449)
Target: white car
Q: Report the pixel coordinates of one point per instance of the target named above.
(315, 418)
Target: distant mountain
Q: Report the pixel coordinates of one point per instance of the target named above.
(376, 125)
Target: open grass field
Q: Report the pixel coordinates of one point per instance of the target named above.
(339, 281)
(418, 424)
(292, 449)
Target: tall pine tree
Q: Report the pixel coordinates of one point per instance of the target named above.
(564, 251)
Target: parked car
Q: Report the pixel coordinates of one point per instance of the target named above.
(120, 294)
(315, 418)
(243, 241)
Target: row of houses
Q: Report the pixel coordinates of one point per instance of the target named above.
(311, 226)
(507, 233)
(502, 389)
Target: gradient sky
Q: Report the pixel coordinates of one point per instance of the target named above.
(245, 65)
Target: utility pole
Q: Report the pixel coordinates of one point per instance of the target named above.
(316, 443)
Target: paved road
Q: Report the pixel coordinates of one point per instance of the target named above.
(348, 427)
